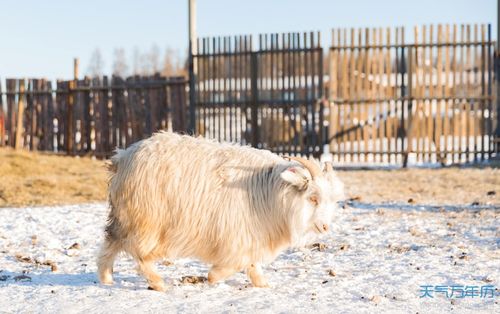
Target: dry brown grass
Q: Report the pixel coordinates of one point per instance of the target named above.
(40, 179)
(28, 178)
(425, 186)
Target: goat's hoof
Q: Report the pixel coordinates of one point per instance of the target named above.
(106, 279)
(158, 286)
(261, 283)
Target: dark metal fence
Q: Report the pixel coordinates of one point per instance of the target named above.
(266, 97)
(90, 116)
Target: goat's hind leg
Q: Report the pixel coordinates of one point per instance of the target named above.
(218, 273)
(105, 261)
(147, 268)
(254, 272)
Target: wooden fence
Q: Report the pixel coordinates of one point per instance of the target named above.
(387, 101)
(430, 101)
(266, 97)
(89, 116)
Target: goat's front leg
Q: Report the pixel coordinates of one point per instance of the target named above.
(218, 273)
(254, 272)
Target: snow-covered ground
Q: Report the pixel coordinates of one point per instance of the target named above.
(374, 260)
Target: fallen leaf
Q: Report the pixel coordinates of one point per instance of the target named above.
(344, 247)
(23, 259)
(193, 279)
(355, 198)
(319, 246)
(74, 246)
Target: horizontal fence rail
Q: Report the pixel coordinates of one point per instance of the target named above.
(90, 116)
(430, 101)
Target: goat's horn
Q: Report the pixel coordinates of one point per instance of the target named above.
(328, 167)
(309, 165)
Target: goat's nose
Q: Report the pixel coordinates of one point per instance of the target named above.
(325, 227)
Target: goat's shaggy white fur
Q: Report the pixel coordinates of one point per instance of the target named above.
(231, 206)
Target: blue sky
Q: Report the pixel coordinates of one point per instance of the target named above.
(40, 38)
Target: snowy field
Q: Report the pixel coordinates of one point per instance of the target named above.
(374, 260)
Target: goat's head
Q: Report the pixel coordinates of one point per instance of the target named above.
(313, 195)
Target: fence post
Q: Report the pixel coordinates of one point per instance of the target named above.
(496, 63)
(71, 99)
(20, 116)
(2, 118)
(496, 140)
(409, 129)
(254, 93)
(192, 93)
(192, 68)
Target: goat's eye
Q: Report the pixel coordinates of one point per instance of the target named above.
(314, 200)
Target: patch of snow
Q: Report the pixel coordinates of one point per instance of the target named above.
(374, 260)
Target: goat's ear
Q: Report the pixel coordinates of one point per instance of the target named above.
(296, 176)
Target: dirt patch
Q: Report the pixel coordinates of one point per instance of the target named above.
(478, 186)
(29, 178)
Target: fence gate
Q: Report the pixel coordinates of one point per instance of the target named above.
(267, 97)
(426, 102)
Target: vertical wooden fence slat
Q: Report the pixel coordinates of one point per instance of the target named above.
(11, 112)
(387, 94)
(2, 118)
(30, 115)
(20, 115)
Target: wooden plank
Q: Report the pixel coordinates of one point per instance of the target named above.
(20, 116)
(417, 121)
(346, 88)
(428, 85)
(34, 140)
(455, 82)
(411, 120)
(69, 136)
(357, 95)
(29, 115)
(11, 112)
(227, 78)
(43, 128)
(382, 111)
(442, 157)
(370, 117)
(468, 108)
(364, 92)
(482, 109)
(88, 116)
(2, 119)
(388, 92)
(474, 108)
(39, 115)
(440, 82)
(107, 108)
(333, 91)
